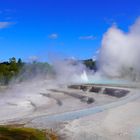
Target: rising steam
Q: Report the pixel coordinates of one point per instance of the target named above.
(69, 71)
(119, 55)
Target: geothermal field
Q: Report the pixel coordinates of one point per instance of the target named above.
(78, 103)
(82, 111)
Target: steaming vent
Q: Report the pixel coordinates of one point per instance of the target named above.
(84, 77)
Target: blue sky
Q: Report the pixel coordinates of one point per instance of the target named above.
(73, 28)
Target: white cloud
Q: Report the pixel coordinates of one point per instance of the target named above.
(90, 37)
(53, 36)
(5, 24)
(94, 58)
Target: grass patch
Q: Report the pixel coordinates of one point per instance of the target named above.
(15, 133)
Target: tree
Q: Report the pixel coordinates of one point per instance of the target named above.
(90, 64)
(12, 60)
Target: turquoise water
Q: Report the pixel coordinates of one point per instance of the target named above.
(137, 133)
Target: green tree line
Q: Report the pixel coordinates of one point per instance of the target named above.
(9, 69)
(16, 68)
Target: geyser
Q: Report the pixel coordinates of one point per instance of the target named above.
(84, 76)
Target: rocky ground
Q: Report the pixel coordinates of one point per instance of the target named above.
(76, 114)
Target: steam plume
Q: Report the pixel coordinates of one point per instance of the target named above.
(120, 53)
